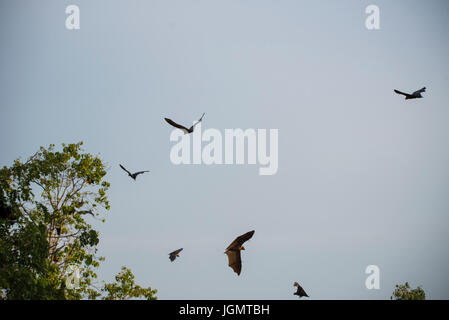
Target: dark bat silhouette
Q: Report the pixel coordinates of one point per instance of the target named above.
(300, 291)
(186, 131)
(174, 254)
(135, 174)
(414, 95)
(233, 251)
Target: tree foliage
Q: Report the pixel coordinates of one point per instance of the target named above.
(124, 288)
(404, 292)
(45, 204)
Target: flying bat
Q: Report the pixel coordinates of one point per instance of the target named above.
(233, 251)
(174, 254)
(300, 291)
(186, 131)
(135, 174)
(414, 95)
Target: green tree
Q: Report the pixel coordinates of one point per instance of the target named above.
(124, 288)
(25, 271)
(44, 230)
(404, 292)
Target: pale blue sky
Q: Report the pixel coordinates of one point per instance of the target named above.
(363, 174)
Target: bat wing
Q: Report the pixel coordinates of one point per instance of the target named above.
(140, 172)
(235, 261)
(176, 252)
(403, 93)
(201, 119)
(240, 240)
(176, 125)
(301, 292)
(125, 169)
(419, 91)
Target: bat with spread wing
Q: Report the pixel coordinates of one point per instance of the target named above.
(135, 174)
(300, 291)
(233, 251)
(186, 131)
(414, 95)
(174, 254)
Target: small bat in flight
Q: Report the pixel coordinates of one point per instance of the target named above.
(300, 291)
(414, 95)
(135, 174)
(186, 131)
(174, 254)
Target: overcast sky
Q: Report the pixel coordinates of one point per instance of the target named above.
(363, 174)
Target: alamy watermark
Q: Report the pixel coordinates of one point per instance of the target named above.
(72, 22)
(372, 22)
(189, 148)
(373, 280)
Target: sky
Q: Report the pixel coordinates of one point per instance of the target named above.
(363, 175)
